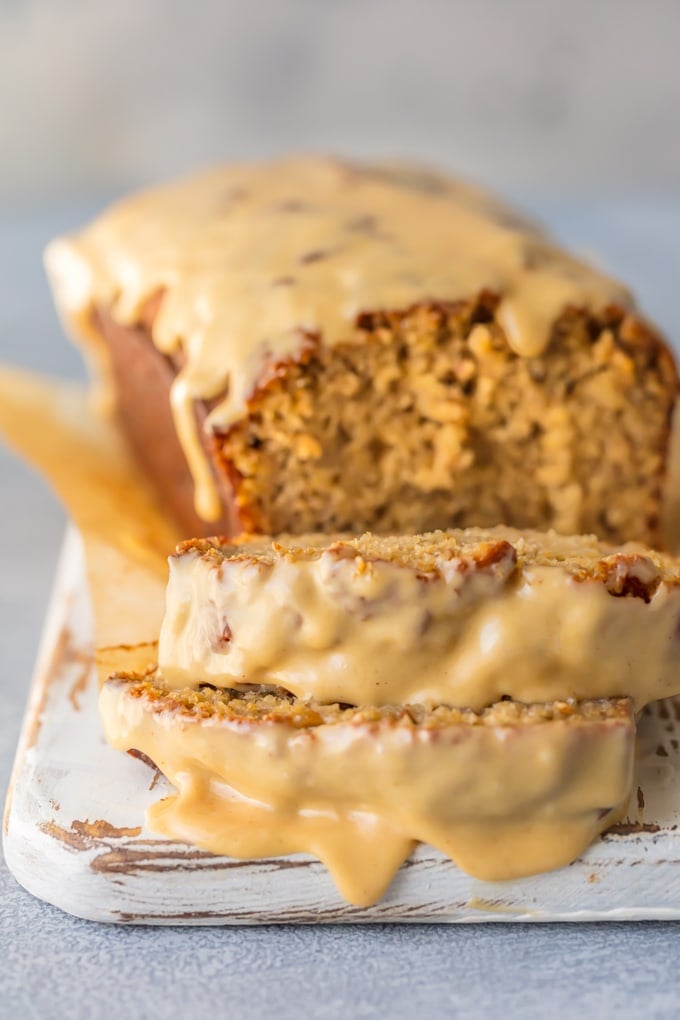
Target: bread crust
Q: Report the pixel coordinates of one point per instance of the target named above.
(264, 707)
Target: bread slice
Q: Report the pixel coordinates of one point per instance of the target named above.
(510, 791)
(313, 344)
(453, 617)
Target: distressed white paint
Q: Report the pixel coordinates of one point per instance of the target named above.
(69, 777)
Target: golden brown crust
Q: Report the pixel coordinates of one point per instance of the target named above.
(631, 570)
(264, 706)
(142, 377)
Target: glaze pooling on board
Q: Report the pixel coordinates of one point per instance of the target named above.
(514, 792)
(251, 260)
(72, 782)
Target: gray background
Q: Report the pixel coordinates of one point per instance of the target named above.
(534, 93)
(571, 108)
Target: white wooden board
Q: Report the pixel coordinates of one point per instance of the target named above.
(74, 830)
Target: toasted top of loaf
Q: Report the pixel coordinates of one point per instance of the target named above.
(509, 791)
(251, 256)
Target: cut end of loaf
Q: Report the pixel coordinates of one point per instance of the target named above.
(426, 418)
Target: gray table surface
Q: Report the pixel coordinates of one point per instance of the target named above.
(52, 965)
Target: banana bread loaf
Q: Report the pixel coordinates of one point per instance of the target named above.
(313, 344)
(457, 618)
(511, 791)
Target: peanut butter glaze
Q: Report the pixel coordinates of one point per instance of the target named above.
(457, 618)
(514, 791)
(252, 259)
